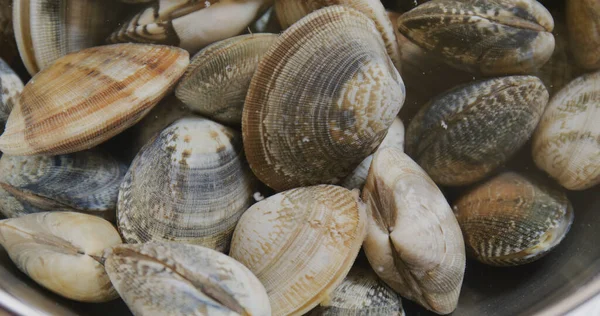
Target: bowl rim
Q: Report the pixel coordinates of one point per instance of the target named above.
(579, 297)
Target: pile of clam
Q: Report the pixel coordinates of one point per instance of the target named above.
(232, 157)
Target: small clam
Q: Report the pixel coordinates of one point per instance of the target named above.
(321, 100)
(566, 143)
(414, 242)
(301, 244)
(62, 252)
(583, 20)
(87, 97)
(189, 184)
(464, 134)
(86, 181)
(216, 82)
(10, 89)
(510, 220)
(491, 37)
(180, 279)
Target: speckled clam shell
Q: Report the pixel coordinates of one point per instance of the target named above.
(290, 11)
(491, 37)
(321, 100)
(62, 252)
(583, 20)
(414, 242)
(464, 134)
(87, 97)
(180, 279)
(300, 244)
(10, 89)
(566, 143)
(189, 184)
(86, 181)
(216, 82)
(511, 220)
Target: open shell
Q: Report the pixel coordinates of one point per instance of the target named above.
(10, 89)
(87, 97)
(301, 244)
(414, 242)
(320, 101)
(583, 20)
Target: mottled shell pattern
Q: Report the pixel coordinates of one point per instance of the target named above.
(583, 21)
(86, 181)
(301, 243)
(413, 243)
(464, 134)
(119, 85)
(189, 184)
(302, 127)
(511, 220)
(62, 252)
(216, 82)
(566, 143)
(491, 37)
(10, 89)
(179, 279)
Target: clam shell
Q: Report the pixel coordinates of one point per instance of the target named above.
(301, 244)
(583, 20)
(87, 97)
(61, 251)
(179, 279)
(464, 134)
(490, 37)
(86, 181)
(566, 143)
(188, 184)
(216, 82)
(320, 101)
(510, 220)
(10, 89)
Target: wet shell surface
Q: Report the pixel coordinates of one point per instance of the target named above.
(86, 181)
(216, 82)
(320, 101)
(301, 244)
(414, 242)
(62, 252)
(180, 279)
(464, 134)
(290, 11)
(566, 143)
(490, 37)
(511, 220)
(583, 20)
(10, 89)
(190, 184)
(87, 97)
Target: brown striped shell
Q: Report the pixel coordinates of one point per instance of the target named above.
(583, 20)
(511, 220)
(216, 82)
(301, 243)
(413, 242)
(490, 37)
(566, 143)
(87, 97)
(464, 134)
(10, 89)
(320, 101)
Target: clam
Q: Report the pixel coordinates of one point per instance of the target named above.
(180, 279)
(464, 134)
(511, 220)
(87, 97)
(321, 100)
(216, 82)
(290, 11)
(86, 181)
(8, 49)
(189, 184)
(300, 244)
(10, 89)
(189, 24)
(583, 20)
(489, 37)
(566, 143)
(413, 243)
(62, 252)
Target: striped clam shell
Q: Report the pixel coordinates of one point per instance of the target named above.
(87, 97)
(10, 89)
(583, 21)
(512, 220)
(320, 101)
(301, 243)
